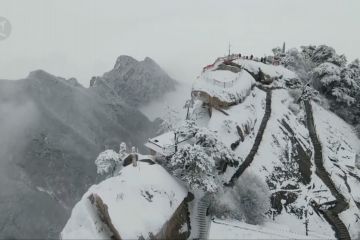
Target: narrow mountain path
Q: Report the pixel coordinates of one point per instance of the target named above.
(250, 157)
(331, 214)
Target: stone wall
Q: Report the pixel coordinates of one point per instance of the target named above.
(102, 211)
(178, 226)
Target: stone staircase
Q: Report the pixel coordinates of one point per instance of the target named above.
(250, 157)
(331, 215)
(201, 218)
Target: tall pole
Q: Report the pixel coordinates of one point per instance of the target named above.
(283, 49)
(229, 49)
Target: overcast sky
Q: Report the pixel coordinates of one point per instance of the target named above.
(82, 38)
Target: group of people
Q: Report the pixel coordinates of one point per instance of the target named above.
(265, 60)
(251, 57)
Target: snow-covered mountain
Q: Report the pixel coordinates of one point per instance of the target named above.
(277, 147)
(293, 168)
(136, 82)
(51, 129)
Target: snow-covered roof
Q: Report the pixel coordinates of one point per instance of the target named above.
(139, 200)
(225, 85)
(164, 144)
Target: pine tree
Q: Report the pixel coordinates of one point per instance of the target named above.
(107, 162)
(194, 167)
(198, 161)
(123, 151)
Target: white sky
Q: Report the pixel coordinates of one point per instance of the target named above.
(82, 38)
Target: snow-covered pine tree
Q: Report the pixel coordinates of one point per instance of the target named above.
(336, 83)
(215, 148)
(329, 74)
(123, 151)
(188, 104)
(247, 201)
(308, 93)
(297, 62)
(198, 162)
(192, 165)
(107, 162)
(323, 53)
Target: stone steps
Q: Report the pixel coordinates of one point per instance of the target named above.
(250, 157)
(203, 223)
(331, 215)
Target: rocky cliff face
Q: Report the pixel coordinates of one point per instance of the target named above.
(51, 131)
(136, 82)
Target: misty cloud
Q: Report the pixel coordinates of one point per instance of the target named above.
(83, 38)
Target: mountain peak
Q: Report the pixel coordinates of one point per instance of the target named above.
(124, 60)
(150, 60)
(137, 82)
(40, 74)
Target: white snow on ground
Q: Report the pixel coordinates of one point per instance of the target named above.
(246, 115)
(273, 153)
(271, 70)
(340, 145)
(140, 200)
(225, 85)
(232, 229)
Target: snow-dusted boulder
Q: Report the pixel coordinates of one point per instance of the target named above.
(139, 201)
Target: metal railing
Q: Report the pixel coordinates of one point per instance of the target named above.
(227, 84)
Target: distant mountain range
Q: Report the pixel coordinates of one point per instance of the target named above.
(51, 132)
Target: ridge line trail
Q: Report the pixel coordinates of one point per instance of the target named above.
(332, 214)
(250, 157)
